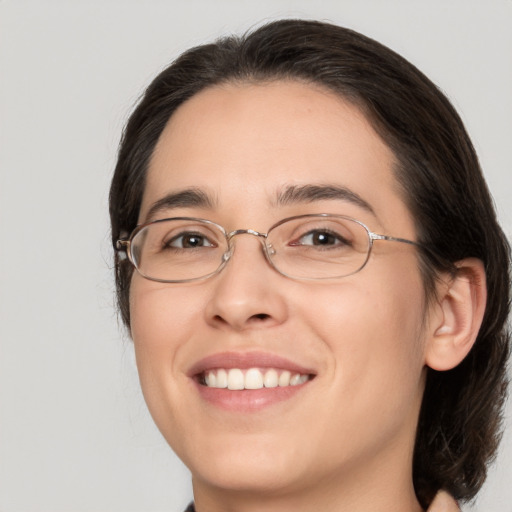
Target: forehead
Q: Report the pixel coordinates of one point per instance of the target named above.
(242, 143)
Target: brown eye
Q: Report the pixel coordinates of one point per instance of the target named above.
(321, 238)
(189, 241)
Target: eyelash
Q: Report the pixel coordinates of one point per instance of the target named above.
(168, 244)
(327, 232)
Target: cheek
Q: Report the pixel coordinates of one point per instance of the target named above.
(373, 330)
(373, 335)
(162, 321)
(379, 314)
(161, 314)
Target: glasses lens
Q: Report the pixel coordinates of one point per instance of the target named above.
(320, 247)
(178, 249)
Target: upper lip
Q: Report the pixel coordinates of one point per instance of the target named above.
(246, 360)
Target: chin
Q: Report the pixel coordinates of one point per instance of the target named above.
(248, 466)
(247, 477)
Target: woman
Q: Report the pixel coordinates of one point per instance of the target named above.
(321, 287)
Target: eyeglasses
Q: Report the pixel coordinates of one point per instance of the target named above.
(184, 249)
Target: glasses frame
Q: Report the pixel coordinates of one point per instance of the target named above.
(125, 245)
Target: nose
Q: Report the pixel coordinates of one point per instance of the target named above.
(248, 293)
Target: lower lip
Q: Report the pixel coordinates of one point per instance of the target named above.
(248, 400)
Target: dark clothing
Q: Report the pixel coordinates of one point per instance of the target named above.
(191, 508)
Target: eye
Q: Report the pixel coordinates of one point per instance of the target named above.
(321, 238)
(188, 241)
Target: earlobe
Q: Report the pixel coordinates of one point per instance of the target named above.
(456, 316)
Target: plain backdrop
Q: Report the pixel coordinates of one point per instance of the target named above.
(74, 431)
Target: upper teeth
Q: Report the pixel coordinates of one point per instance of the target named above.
(253, 378)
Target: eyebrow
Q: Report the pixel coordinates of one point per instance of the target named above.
(309, 193)
(186, 198)
(292, 194)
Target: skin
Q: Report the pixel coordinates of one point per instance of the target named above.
(345, 441)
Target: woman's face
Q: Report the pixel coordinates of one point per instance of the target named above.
(359, 339)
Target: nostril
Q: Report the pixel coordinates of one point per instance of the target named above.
(261, 316)
(219, 319)
(252, 320)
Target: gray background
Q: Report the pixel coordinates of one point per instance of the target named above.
(74, 431)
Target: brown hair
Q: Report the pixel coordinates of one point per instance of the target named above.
(458, 430)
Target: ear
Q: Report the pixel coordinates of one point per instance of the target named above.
(456, 316)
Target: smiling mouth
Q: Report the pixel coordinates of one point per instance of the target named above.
(237, 379)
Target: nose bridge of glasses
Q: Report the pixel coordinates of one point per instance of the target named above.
(237, 232)
(262, 237)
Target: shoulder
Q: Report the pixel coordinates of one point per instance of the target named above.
(443, 502)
